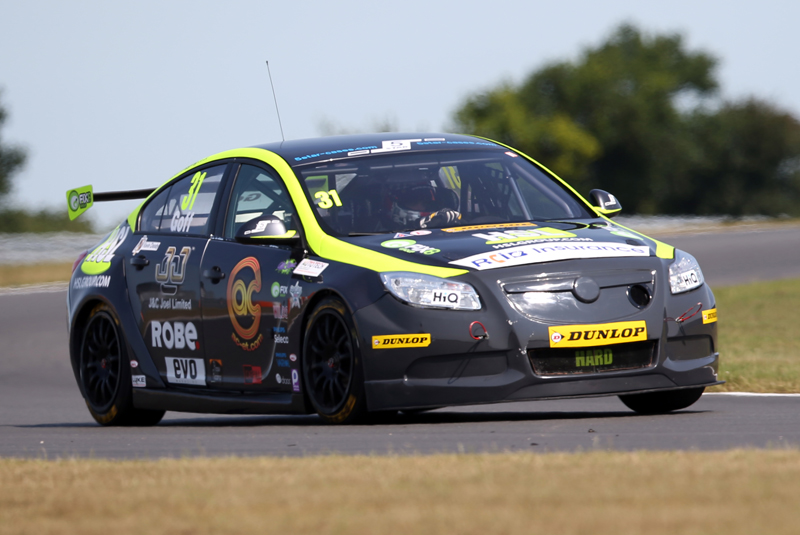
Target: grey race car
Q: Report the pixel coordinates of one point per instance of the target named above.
(370, 274)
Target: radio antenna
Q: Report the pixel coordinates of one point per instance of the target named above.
(276, 102)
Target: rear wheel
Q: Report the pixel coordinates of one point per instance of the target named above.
(662, 402)
(105, 373)
(332, 370)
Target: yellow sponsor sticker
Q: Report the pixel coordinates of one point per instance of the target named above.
(391, 341)
(597, 335)
(710, 316)
(496, 225)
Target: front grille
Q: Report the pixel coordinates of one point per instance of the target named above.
(583, 360)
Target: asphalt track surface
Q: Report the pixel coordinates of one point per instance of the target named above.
(43, 415)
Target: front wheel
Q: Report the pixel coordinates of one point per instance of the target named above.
(332, 370)
(105, 373)
(662, 402)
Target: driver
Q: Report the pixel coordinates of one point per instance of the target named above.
(422, 205)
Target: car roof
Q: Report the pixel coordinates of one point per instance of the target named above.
(300, 151)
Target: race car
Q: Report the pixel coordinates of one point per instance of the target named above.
(359, 276)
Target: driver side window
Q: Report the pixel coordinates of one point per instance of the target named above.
(256, 193)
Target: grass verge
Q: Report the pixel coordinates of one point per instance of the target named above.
(733, 492)
(759, 341)
(18, 275)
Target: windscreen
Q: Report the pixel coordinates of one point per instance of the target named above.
(407, 191)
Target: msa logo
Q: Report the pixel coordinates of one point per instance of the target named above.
(171, 272)
(594, 357)
(185, 371)
(600, 334)
(173, 335)
(401, 340)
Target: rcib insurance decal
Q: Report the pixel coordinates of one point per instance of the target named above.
(598, 335)
(534, 254)
(391, 341)
(710, 316)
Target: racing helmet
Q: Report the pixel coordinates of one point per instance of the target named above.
(412, 204)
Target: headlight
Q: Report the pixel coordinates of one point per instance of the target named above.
(684, 273)
(433, 292)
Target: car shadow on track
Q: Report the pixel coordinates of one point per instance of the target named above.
(439, 417)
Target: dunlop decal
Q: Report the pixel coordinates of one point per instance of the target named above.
(710, 316)
(391, 341)
(598, 335)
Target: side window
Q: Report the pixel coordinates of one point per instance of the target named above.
(151, 215)
(189, 201)
(257, 192)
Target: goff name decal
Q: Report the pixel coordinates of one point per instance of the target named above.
(391, 341)
(241, 308)
(600, 334)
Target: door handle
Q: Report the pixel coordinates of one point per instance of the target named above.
(215, 274)
(139, 262)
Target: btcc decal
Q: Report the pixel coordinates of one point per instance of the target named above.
(186, 371)
(493, 238)
(594, 357)
(600, 334)
(480, 227)
(710, 316)
(295, 292)
(391, 341)
(533, 254)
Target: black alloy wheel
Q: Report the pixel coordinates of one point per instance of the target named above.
(331, 364)
(101, 361)
(105, 373)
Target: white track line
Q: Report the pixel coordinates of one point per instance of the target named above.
(35, 288)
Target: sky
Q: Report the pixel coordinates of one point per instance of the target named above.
(124, 95)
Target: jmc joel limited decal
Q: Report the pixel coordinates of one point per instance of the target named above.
(240, 304)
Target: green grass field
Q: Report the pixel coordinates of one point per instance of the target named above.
(759, 341)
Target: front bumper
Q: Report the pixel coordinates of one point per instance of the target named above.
(455, 369)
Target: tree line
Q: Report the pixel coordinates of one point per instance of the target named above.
(639, 116)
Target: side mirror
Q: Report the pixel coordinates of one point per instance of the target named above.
(605, 203)
(266, 229)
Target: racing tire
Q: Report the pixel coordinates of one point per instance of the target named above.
(105, 373)
(332, 370)
(662, 402)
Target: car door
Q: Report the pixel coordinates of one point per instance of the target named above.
(163, 275)
(247, 290)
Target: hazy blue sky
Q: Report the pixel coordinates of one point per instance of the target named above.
(125, 94)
